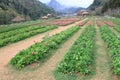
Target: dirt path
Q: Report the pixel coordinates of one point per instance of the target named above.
(45, 71)
(102, 60)
(7, 52)
(113, 30)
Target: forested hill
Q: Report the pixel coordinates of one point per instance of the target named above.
(96, 4)
(29, 9)
(109, 7)
(106, 4)
(111, 4)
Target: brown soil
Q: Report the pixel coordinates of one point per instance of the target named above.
(102, 60)
(115, 77)
(7, 52)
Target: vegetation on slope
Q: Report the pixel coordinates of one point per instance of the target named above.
(112, 4)
(110, 7)
(96, 4)
(28, 9)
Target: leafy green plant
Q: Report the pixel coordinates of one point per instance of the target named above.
(80, 55)
(117, 22)
(40, 50)
(113, 45)
(15, 35)
(117, 28)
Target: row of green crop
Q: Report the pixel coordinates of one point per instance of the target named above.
(117, 28)
(10, 27)
(81, 54)
(113, 45)
(117, 22)
(19, 31)
(40, 50)
(21, 36)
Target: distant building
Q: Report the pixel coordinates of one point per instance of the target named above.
(49, 15)
(18, 19)
(83, 13)
(44, 17)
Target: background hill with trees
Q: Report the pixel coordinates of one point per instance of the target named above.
(108, 7)
(27, 9)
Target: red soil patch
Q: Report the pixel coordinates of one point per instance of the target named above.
(90, 23)
(100, 23)
(110, 23)
(115, 77)
(82, 23)
(62, 22)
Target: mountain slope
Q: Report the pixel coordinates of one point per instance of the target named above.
(108, 7)
(61, 8)
(56, 5)
(112, 7)
(32, 9)
(111, 4)
(96, 4)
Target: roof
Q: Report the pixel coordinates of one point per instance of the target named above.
(85, 13)
(44, 17)
(18, 19)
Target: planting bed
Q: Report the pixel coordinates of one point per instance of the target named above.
(100, 23)
(117, 28)
(90, 23)
(110, 23)
(113, 46)
(62, 22)
(95, 55)
(80, 56)
(117, 22)
(42, 49)
(19, 34)
(82, 23)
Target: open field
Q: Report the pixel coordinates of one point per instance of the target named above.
(65, 49)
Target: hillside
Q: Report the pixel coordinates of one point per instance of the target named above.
(55, 5)
(28, 9)
(108, 7)
(96, 4)
(111, 4)
(63, 9)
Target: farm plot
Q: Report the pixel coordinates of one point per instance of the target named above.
(10, 27)
(117, 28)
(62, 22)
(42, 49)
(79, 62)
(90, 23)
(80, 56)
(111, 24)
(19, 34)
(83, 22)
(113, 46)
(100, 23)
(116, 23)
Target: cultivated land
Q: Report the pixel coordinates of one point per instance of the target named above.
(76, 49)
